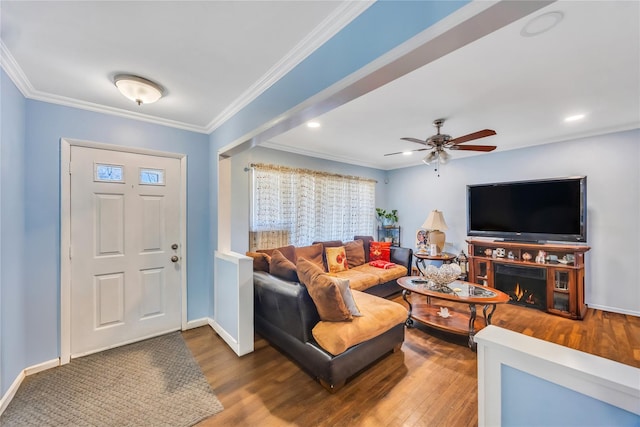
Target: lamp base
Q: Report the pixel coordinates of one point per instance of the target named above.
(437, 237)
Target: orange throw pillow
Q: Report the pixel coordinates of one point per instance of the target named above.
(260, 261)
(380, 251)
(323, 291)
(337, 259)
(355, 253)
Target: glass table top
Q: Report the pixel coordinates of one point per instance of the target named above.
(456, 288)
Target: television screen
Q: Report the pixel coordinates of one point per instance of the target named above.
(552, 209)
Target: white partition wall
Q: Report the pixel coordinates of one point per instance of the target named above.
(527, 381)
(233, 300)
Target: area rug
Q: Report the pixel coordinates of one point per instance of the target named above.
(155, 382)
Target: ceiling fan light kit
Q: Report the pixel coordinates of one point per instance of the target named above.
(138, 89)
(440, 142)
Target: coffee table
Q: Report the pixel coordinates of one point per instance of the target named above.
(459, 321)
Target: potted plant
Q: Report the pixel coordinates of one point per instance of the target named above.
(388, 219)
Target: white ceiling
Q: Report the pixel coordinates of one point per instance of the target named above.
(521, 87)
(214, 57)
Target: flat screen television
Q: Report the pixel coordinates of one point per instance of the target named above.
(541, 210)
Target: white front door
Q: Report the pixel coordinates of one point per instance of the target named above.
(125, 248)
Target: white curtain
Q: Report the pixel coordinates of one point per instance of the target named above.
(309, 205)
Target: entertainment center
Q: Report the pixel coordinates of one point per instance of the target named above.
(512, 226)
(555, 283)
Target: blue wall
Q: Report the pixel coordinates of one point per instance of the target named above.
(13, 313)
(531, 401)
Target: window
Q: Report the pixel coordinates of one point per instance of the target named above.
(151, 176)
(299, 206)
(108, 173)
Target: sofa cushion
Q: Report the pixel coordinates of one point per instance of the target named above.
(355, 253)
(311, 253)
(366, 241)
(378, 316)
(289, 252)
(358, 280)
(347, 296)
(260, 261)
(380, 250)
(323, 291)
(384, 275)
(281, 267)
(336, 259)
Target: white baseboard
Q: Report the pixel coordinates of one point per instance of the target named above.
(198, 322)
(11, 392)
(614, 310)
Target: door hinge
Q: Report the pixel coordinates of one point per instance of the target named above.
(69, 252)
(69, 168)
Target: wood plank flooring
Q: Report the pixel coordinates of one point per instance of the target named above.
(432, 381)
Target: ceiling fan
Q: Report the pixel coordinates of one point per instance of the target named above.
(439, 142)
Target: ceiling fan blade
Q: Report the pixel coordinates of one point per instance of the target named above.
(470, 137)
(419, 141)
(400, 152)
(474, 147)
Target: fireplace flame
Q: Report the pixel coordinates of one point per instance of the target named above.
(530, 299)
(519, 293)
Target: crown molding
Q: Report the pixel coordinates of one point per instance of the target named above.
(15, 73)
(330, 26)
(13, 70)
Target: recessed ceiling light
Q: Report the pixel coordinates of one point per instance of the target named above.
(542, 23)
(407, 153)
(313, 124)
(574, 118)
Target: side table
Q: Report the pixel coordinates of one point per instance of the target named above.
(445, 257)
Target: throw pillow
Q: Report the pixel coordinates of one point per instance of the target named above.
(380, 250)
(281, 267)
(288, 251)
(336, 259)
(347, 296)
(355, 253)
(311, 253)
(323, 291)
(260, 261)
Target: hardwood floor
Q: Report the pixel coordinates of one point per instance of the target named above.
(430, 382)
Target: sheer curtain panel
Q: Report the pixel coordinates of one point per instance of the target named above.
(301, 206)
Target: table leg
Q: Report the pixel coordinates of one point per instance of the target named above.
(472, 330)
(405, 294)
(487, 318)
(419, 263)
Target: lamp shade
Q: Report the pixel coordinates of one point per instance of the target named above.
(138, 89)
(435, 221)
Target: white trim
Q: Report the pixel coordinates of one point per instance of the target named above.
(65, 231)
(191, 324)
(329, 27)
(13, 388)
(602, 379)
(615, 309)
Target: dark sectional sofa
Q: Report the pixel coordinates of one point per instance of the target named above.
(285, 315)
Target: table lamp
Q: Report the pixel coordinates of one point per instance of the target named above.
(436, 225)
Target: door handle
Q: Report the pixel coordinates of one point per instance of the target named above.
(174, 258)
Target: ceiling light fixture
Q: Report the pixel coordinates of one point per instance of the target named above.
(138, 89)
(541, 23)
(407, 153)
(313, 125)
(574, 118)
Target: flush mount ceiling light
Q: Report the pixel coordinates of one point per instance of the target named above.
(138, 89)
(313, 124)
